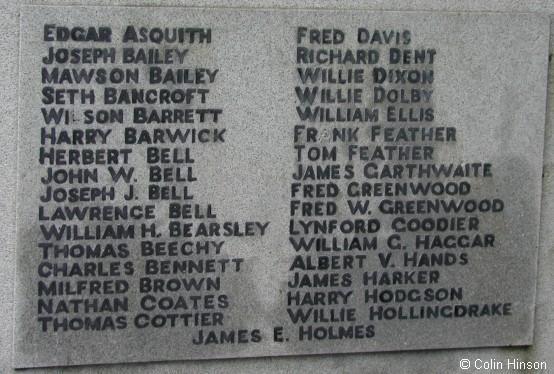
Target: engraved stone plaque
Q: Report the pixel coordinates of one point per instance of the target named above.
(220, 183)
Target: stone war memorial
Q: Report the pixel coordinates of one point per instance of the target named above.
(279, 188)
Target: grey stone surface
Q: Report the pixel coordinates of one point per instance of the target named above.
(435, 361)
(480, 99)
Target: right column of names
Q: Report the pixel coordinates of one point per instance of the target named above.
(386, 212)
